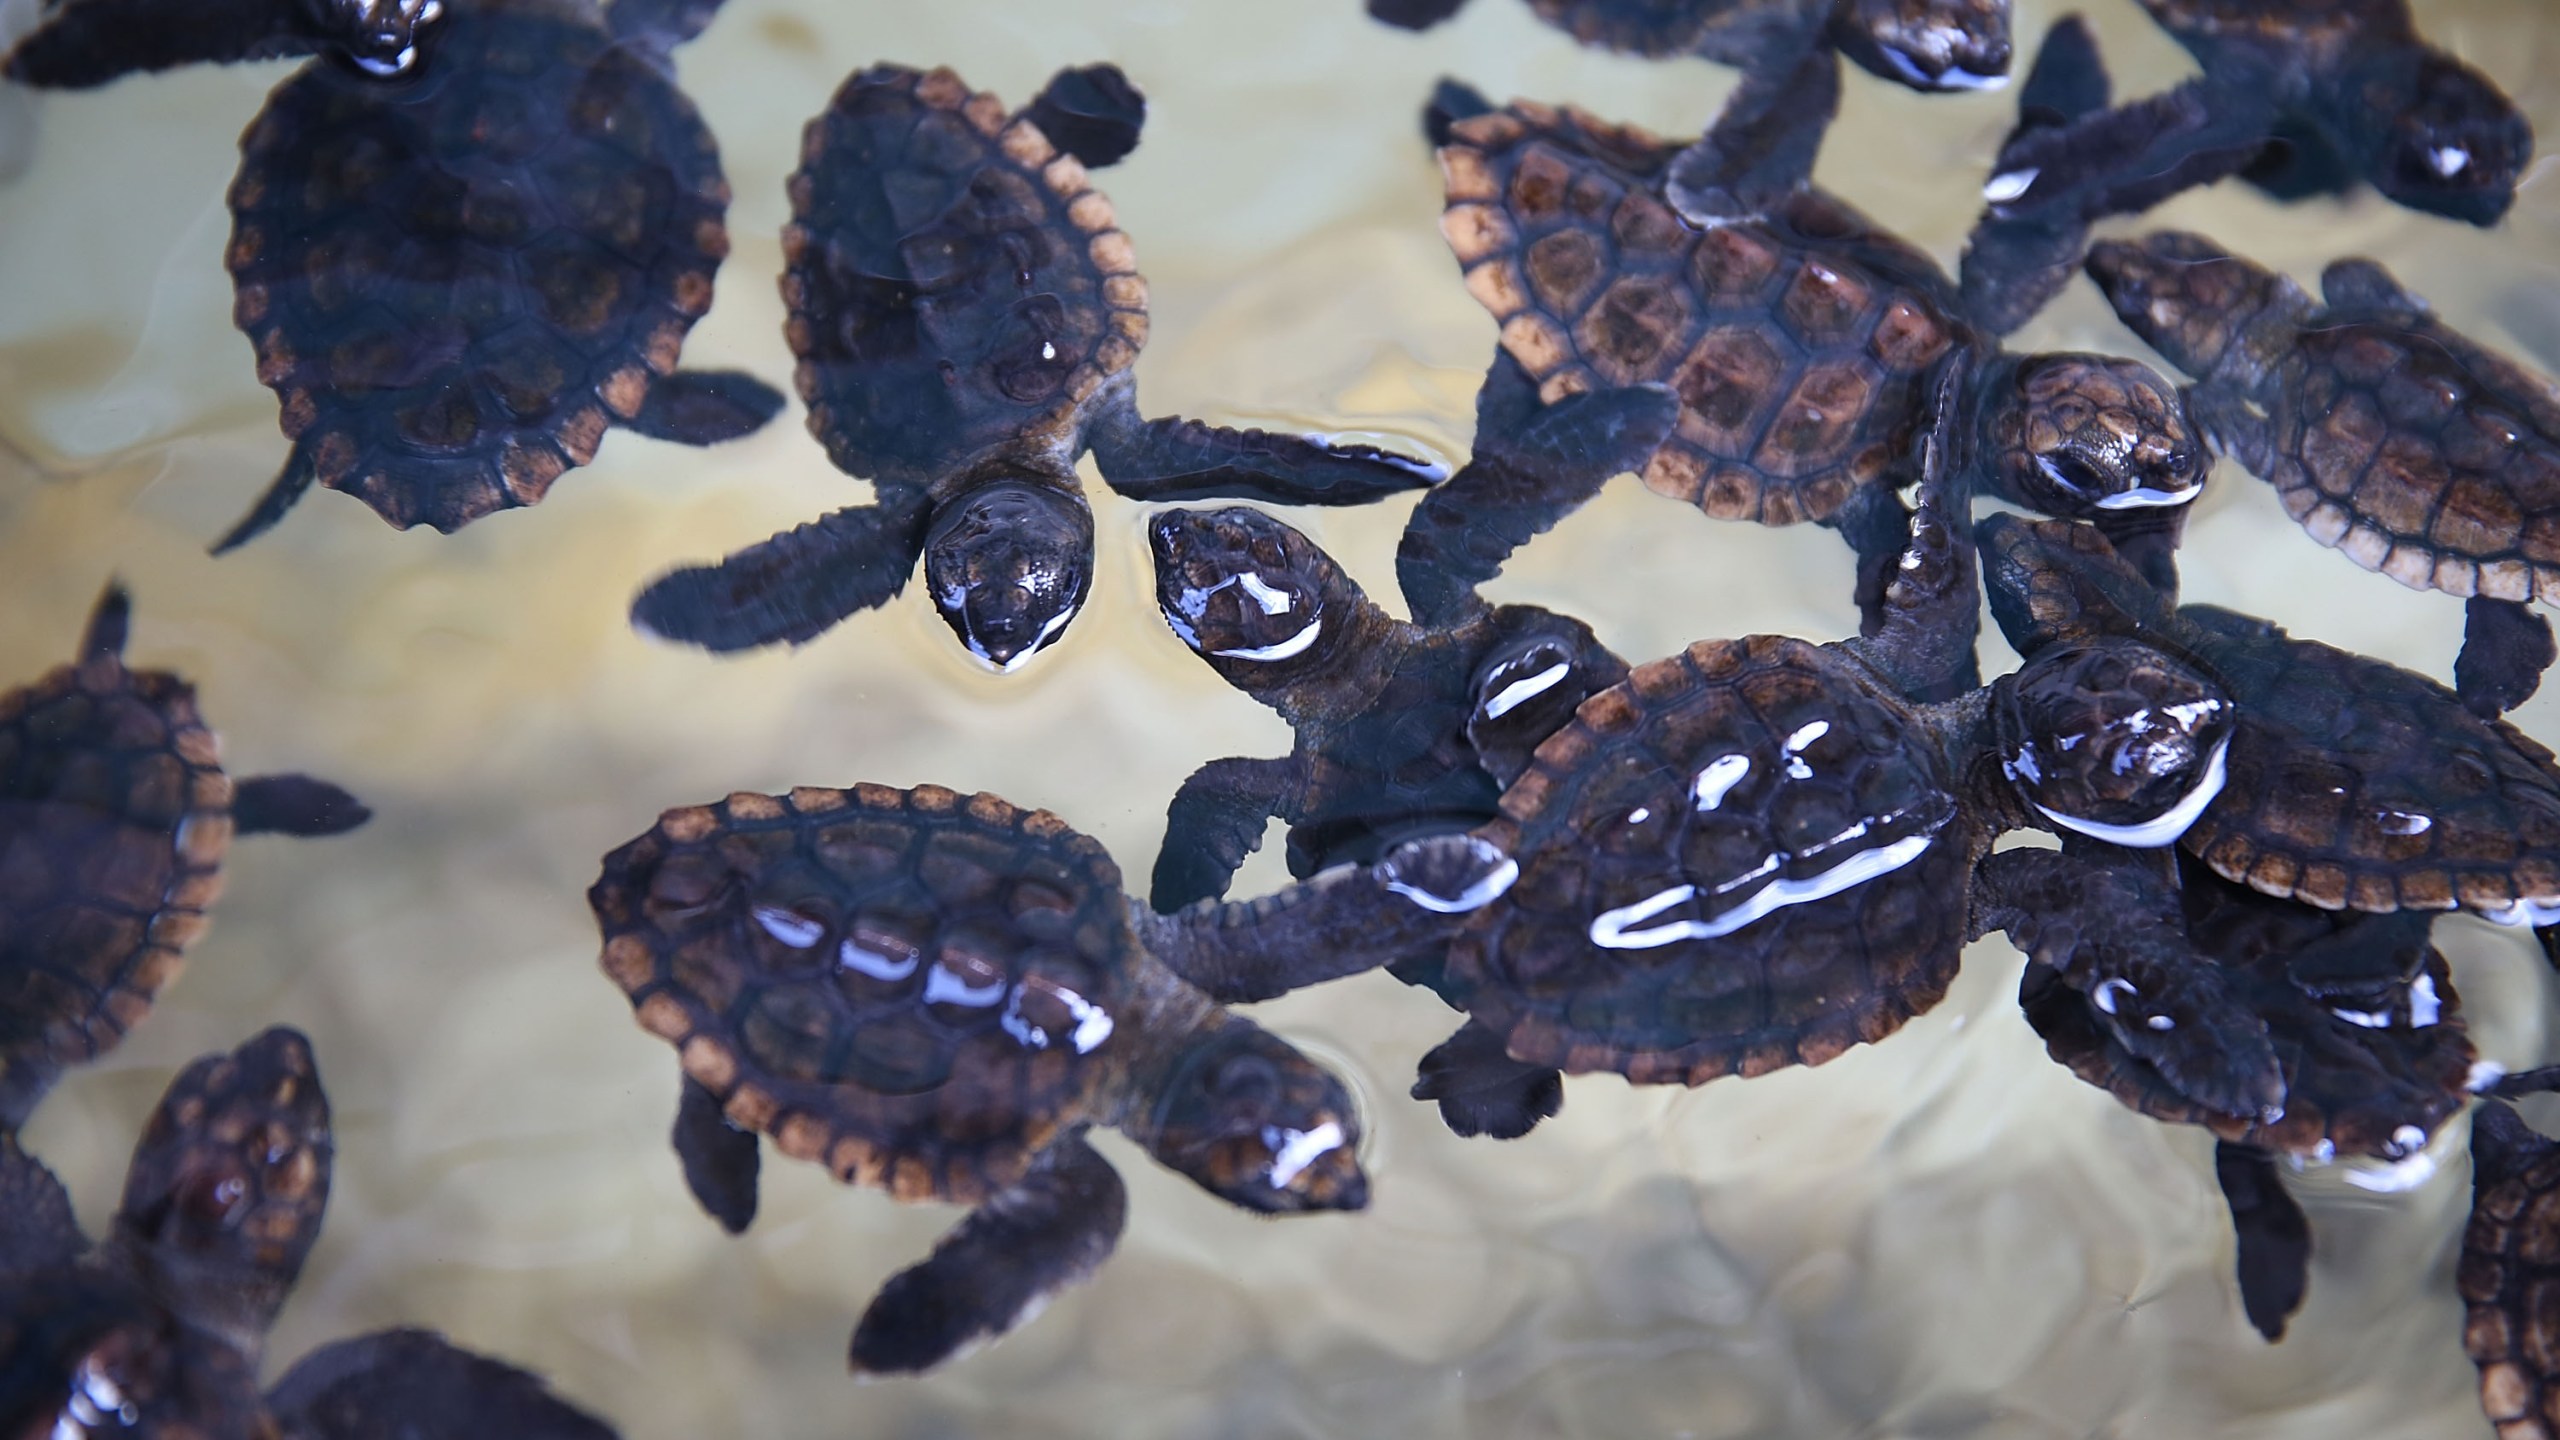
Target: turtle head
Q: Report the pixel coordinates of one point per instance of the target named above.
(2113, 739)
(377, 37)
(224, 1198)
(2084, 434)
(2457, 148)
(1008, 567)
(1928, 44)
(1259, 1125)
(2198, 304)
(1263, 604)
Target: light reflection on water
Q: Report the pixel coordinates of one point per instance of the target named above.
(1943, 1235)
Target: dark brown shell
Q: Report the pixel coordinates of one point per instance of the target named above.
(1613, 811)
(2316, 35)
(455, 283)
(885, 981)
(955, 284)
(1798, 341)
(114, 817)
(2509, 1278)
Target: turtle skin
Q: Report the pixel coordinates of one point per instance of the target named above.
(1608, 822)
(457, 282)
(2351, 783)
(1928, 45)
(158, 1331)
(115, 816)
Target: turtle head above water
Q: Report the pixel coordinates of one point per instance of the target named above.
(2114, 740)
(1008, 566)
(2086, 434)
(1929, 44)
(1248, 594)
(1259, 1125)
(377, 37)
(2458, 146)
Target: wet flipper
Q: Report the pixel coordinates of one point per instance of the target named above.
(1092, 112)
(2365, 958)
(1414, 14)
(1483, 1091)
(1526, 690)
(2505, 649)
(2147, 538)
(1191, 460)
(1215, 821)
(1451, 101)
(705, 407)
(36, 1225)
(2274, 1261)
(720, 1160)
(793, 587)
(294, 805)
(1023, 1245)
(1877, 526)
(2013, 267)
(85, 43)
(290, 485)
(1763, 143)
(414, 1385)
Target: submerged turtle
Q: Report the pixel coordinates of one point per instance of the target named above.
(2387, 434)
(966, 314)
(115, 814)
(2299, 98)
(939, 994)
(2355, 1014)
(77, 44)
(158, 1330)
(2347, 783)
(1806, 344)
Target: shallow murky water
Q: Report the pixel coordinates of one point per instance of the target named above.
(1943, 1235)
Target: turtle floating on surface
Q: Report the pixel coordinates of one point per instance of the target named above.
(115, 815)
(158, 1330)
(967, 314)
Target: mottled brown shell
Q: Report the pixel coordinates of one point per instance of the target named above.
(114, 817)
(901, 985)
(1700, 770)
(1798, 341)
(456, 282)
(955, 283)
(2509, 1278)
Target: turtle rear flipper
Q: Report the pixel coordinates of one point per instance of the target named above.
(995, 1269)
(294, 805)
(1092, 112)
(1214, 821)
(1481, 1090)
(793, 587)
(2013, 267)
(720, 1160)
(1174, 459)
(416, 1385)
(2274, 1259)
(705, 407)
(282, 494)
(1763, 143)
(2505, 649)
(37, 1228)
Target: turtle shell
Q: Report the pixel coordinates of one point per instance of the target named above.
(955, 284)
(2419, 454)
(1799, 341)
(457, 281)
(1746, 856)
(114, 817)
(2508, 1267)
(915, 988)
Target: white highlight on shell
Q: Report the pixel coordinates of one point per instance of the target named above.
(2523, 912)
(2369, 1019)
(1295, 645)
(1615, 928)
(2424, 1008)
(1292, 1151)
(1510, 697)
(941, 987)
(2449, 160)
(2167, 827)
(2164, 1023)
(1048, 351)
(1718, 779)
(789, 926)
(2009, 185)
(1500, 871)
(2104, 997)
(1093, 1023)
(2402, 822)
(1796, 743)
(875, 964)
(2144, 497)
(2484, 1073)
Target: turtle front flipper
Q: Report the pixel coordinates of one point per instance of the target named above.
(416, 1385)
(294, 805)
(2014, 265)
(2505, 649)
(1763, 143)
(705, 407)
(793, 587)
(720, 1160)
(1047, 1231)
(80, 44)
(1528, 688)
(1215, 821)
(37, 1228)
(1092, 112)
(228, 1182)
(2274, 1258)
(1481, 1090)
(1174, 459)
(282, 494)
(1534, 465)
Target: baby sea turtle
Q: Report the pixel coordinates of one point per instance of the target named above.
(2354, 1015)
(2299, 98)
(158, 1330)
(115, 814)
(967, 313)
(1805, 343)
(2347, 783)
(938, 994)
(2387, 434)
(2510, 1261)
(78, 44)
